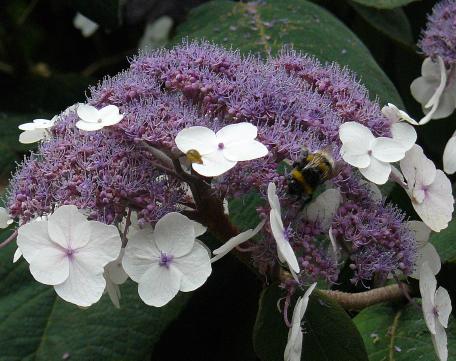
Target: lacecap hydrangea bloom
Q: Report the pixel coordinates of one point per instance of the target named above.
(292, 100)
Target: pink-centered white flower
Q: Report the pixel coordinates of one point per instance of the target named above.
(115, 275)
(449, 155)
(435, 89)
(436, 305)
(429, 189)
(168, 260)
(90, 118)
(284, 249)
(371, 155)
(425, 251)
(222, 150)
(36, 130)
(69, 252)
(236, 241)
(293, 348)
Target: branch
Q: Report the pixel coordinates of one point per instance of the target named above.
(358, 301)
(7, 241)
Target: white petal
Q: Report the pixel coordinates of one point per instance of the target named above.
(449, 156)
(356, 134)
(234, 133)
(244, 150)
(140, 254)
(236, 241)
(33, 237)
(437, 206)
(435, 98)
(199, 229)
(272, 197)
(440, 342)
(404, 134)
(113, 292)
(446, 105)
(42, 123)
(323, 208)
(195, 268)
(159, 285)
(68, 227)
(201, 139)
(417, 168)
(422, 89)
(5, 219)
(428, 285)
(114, 270)
(82, 287)
(387, 150)
(32, 136)
(110, 115)
(50, 265)
(421, 232)
(283, 245)
(377, 172)
(27, 126)
(305, 298)
(350, 155)
(88, 127)
(88, 113)
(214, 164)
(17, 255)
(443, 305)
(334, 251)
(87, 26)
(395, 115)
(174, 234)
(426, 253)
(293, 348)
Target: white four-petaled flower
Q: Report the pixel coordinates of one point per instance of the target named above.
(69, 252)
(220, 151)
(425, 251)
(35, 131)
(168, 260)
(284, 249)
(435, 90)
(373, 155)
(293, 348)
(429, 189)
(436, 306)
(90, 118)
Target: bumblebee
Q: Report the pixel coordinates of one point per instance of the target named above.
(311, 170)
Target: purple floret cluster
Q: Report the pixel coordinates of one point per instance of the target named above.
(439, 37)
(293, 100)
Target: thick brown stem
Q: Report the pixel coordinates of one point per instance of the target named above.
(358, 301)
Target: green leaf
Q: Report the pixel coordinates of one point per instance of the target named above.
(393, 23)
(400, 335)
(269, 25)
(37, 325)
(243, 211)
(329, 333)
(103, 12)
(385, 4)
(444, 242)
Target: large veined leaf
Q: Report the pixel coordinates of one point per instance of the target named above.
(400, 335)
(36, 325)
(393, 23)
(385, 4)
(267, 26)
(329, 333)
(444, 242)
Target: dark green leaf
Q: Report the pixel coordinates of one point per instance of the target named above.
(385, 4)
(445, 242)
(36, 325)
(393, 23)
(268, 25)
(329, 333)
(400, 335)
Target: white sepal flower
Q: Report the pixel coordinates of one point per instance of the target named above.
(449, 155)
(115, 275)
(69, 252)
(425, 252)
(435, 92)
(371, 155)
(168, 260)
(222, 150)
(17, 255)
(5, 219)
(35, 131)
(85, 25)
(293, 349)
(429, 189)
(436, 305)
(236, 241)
(284, 249)
(323, 208)
(90, 118)
(396, 115)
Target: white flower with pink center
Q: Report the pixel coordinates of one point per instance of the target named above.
(69, 252)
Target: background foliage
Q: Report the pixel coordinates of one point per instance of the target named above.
(46, 65)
